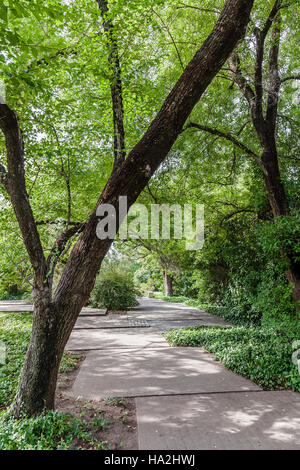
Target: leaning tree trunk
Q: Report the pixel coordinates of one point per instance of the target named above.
(39, 376)
(53, 322)
(168, 284)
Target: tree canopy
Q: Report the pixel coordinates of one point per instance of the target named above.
(105, 90)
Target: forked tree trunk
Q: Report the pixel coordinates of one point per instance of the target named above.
(168, 284)
(53, 321)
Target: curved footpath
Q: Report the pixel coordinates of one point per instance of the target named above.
(185, 399)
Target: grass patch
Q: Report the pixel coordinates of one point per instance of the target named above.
(263, 355)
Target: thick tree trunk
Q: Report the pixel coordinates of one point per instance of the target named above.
(51, 330)
(53, 323)
(280, 207)
(276, 193)
(38, 380)
(168, 284)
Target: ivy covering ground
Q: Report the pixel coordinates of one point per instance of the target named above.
(263, 355)
(51, 431)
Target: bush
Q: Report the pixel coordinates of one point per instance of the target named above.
(242, 272)
(11, 296)
(114, 290)
(263, 355)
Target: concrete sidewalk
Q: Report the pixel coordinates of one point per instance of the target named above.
(220, 421)
(152, 371)
(185, 399)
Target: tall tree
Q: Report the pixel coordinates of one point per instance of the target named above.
(262, 96)
(55, 316)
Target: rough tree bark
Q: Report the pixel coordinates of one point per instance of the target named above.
(54, 317)
(264, 123)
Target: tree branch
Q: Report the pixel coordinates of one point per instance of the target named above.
(291, 77)
(274, 78)
(240, 80)
(206, 10)
(45, 60)
(260, 44)
(55, 222)
(230, 138)
(65, 175)
(151, 194)
(58, 248)
(243, 127)
(115, 87)
(16, 188)
(278, 5)
(171, 37)
(234, 213)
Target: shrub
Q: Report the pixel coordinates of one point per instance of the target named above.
(242, 272)
(114, 290)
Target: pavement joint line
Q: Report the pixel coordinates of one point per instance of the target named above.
(223, 392)
(126, 348)
(108, 327)
(81, 315)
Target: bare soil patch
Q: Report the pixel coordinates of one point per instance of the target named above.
(110, 421)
